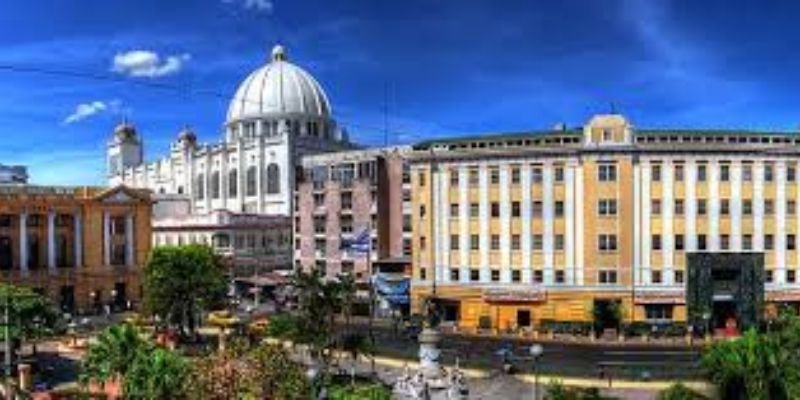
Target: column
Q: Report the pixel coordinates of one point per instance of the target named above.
(464, 220)
(483, 220)
(713, 206)
(129, 249)
(667, 241)
(51, 241)
(527, 267)
(224, 185)
(780, 223)
(579, 234)
(260, 175)
(645, 238)
(569, 232)
(690, 205)
(78, 239)
(107, 238)
(23, 243)
(548, 212)
(505, 225)
(241, 175)
(758, 206)
(207, 185)
(637, 224)
(443, 217)
(736, 206)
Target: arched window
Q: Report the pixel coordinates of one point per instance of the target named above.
(273, 179)
(200, 187)
(233, 183)
(251, 180)
(215, 184)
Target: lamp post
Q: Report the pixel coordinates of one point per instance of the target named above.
(706, 327)
(536, 352)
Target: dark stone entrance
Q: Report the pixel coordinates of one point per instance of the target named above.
(725, 285)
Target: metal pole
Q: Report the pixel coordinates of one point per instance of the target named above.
(535, 379)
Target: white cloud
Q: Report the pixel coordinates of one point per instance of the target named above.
(86, 110)
(148, 64)
(265, 6)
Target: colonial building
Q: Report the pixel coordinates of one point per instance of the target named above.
(278, 114)
(668, 224)
(82, 247)
(339, 196)
(13, 174)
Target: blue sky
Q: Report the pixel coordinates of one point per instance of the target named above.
(449, 67)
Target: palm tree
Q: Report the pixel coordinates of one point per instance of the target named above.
(113, 354)
(159, 374)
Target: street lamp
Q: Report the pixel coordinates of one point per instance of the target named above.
(312, 374)
(536, 352)
(706, 319)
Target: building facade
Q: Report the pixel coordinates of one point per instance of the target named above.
(13, 174)
(669, 225)
(339, 195)
(278, 114)
(82, 247)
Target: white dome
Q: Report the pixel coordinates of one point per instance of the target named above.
(278, 88)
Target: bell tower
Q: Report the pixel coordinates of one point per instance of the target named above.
(124, 150)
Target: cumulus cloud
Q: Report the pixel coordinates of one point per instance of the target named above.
(265, 6)
(148, 64)
(89, 109)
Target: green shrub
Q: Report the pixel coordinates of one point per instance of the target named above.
(373, 391)
(679, 391)
(557, 391)
(282, 326)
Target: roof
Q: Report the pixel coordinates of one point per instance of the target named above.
(714, 132)
(489, 136)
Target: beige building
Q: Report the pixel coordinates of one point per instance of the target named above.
(82, 247)
(671, 225)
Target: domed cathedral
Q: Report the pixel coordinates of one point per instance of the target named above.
(278, 114)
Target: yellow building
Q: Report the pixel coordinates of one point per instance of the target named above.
(82, 247)
(669, 225)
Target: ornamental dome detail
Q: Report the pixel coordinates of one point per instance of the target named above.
(276, 89)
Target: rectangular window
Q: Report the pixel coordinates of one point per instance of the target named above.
(724, 207)
(607, 172)
(494, 176)
(679, 207)
(495, 242)
(724, 172)
(655, 173)
(791, 173)
(768, 173)
(422, 243)
(790, 276)
(724, 242)
(515, 176)
(474, 242)
(422, 210)
(769, 206)
(768, 276)
(474, 210)
(701, 173)
(536, 174)
(538, 276)
(701, 207)
(656, 276)
(516, 276)
(474, 177)
(560, 276)
(558, 174)
(658, 312)
(656, 242)
(453, 210)
(516, 210)
(455, 275)
(747, 242)
(769, 242)
(747, 207)
(607, 277)
(537, 242)
(702, 243)
(454, 242)
(559, 208)
(747, 172)
(607, 207)
(678, 276)
(679, 244)
(559, 242)
(474, 275)
(655, 206)
(453, 178)
(346, 223)
(495, 275)
(515, 242)
(607, 242)
(791, 207)
(537, 209)
(346, 200)
(679, 172)
(495, 210)
(421, 179)
(790, 242)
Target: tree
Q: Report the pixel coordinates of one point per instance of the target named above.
(679, 391)
(114, 352)
(156, 374)
(32, 316)
(180, 282)
(347, 297)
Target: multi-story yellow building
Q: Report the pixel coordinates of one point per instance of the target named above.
(674, 225)
(82, 247)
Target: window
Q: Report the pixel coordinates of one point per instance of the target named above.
(421, 178)
(791, 173)
(790, 242)
(494, 175)
(607, 135)
(559, 242)
(679, 207)
(560, 276)
(515, 176)
(515, 242)
(655, 173)
(537, 208)
(724, 242)
(679, 276)
(474, 275)
(655, 206)
(558, 173)
(537, 242)
(455, 274)
(273, 179)
(474, 210)
(495, 210)
(679, 172)
(791, 207)
(559, 208)
(495, 275)
(656, 242)
(747, 242)
(346, 223)
(474, 177)
(701, 207)
(656, 276)
(769, 206)
(790, 276)
(768, 173)
(516, 276)
(422, 243)
(233, 183)
(536, 175)
(607, 207)
(538, 276)
(423, 274)
(702, 243)
(422, 210)
(474, 242)
(679, 243)
(453, 210)
(701, 173)
(607, 242)
(747, 207)
(252, 173)
(607, 172)
(724, 172)
(346, 200)
(607, 277)
(747, 173)
(724, 207)
(453, 178)
(768, 276)
(658, 312)
(495, 242)
(319, 199)
(515, 209)
(769, 242)
(200, 187)
(454, 242)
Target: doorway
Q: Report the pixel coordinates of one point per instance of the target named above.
(723, 311)
(524, 318)
(606, 313)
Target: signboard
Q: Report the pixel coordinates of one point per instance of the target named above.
(514, 296)
(659, 298)
(780, 296)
